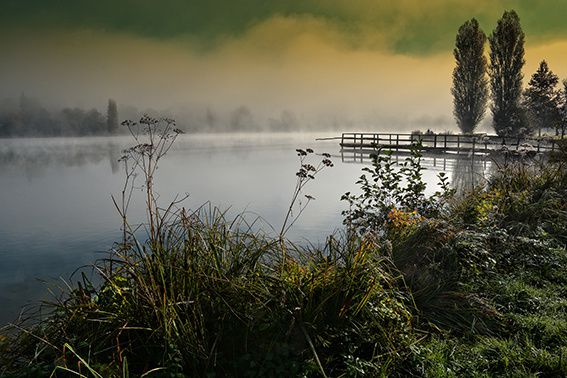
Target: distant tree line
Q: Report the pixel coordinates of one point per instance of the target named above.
(25, 116)
(515, 112)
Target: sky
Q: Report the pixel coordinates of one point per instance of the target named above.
(364, 64)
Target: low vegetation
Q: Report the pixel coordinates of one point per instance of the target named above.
(471, 285)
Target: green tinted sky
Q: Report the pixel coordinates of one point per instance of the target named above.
(409, 26)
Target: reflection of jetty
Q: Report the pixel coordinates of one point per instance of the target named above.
(432, 161)
(476, 144)
(465, 170)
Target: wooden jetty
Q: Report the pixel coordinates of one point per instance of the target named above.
(475, 144)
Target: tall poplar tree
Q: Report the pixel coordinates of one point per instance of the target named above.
(470, 85)
(505, 69)
(112, 116)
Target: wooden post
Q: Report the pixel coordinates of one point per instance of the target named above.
(435, 142)
(473, 144)
(397, 142)
(445, 143)
(342, 140)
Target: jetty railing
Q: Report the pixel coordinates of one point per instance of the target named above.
(473, 143)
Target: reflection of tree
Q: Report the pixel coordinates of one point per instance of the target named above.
(468, 173)
(34, 157)
(114, 154)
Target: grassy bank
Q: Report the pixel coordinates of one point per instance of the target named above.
(416, 286)
(213, 300)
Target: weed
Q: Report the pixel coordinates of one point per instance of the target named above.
(391, 193)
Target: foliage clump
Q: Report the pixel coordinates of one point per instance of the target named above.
(392, 194)
(486, 271)
(215, 299)
(516, 229)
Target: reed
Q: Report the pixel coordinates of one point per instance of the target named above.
(215, 297)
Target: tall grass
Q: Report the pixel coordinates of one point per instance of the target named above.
(216, 299)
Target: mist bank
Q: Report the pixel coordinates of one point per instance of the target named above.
(310, 74)
(26, 116)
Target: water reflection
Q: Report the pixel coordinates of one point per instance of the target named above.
(466, 171)
(35, 156)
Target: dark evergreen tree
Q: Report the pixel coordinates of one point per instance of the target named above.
(506, 62)
(470, 85)
(542, 99)
(112, 117)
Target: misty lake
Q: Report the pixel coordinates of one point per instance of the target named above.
(57, 213)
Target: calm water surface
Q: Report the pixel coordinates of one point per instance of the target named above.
(57, 214)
